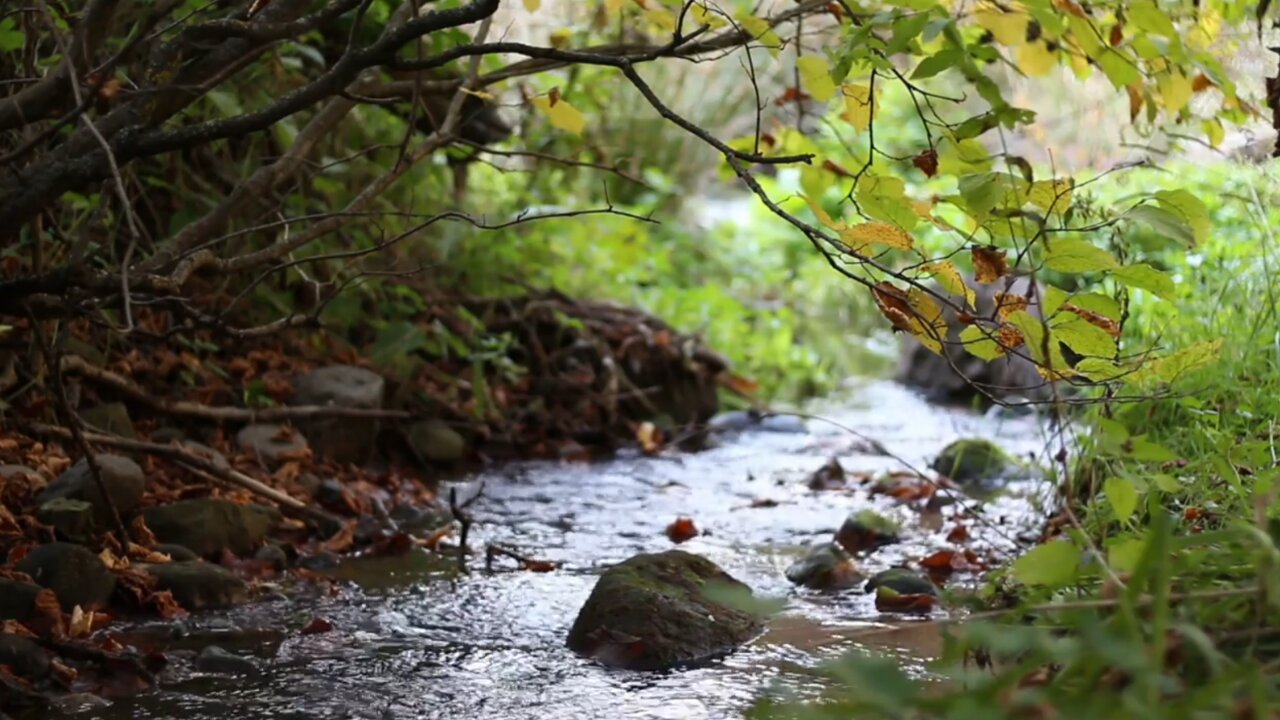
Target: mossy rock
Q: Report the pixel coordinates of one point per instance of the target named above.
(207, 526)
(197, 585)
(656, 611)
(123, 479)
(867, 530)
(17, 599)
(974, 461)
(825, 567)
(903, 582)
(73, 573)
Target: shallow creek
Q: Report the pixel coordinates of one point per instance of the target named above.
(413, 639)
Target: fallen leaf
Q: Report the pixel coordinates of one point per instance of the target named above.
(829, 476)
(681, 530)
(958, 534)
(317, 626)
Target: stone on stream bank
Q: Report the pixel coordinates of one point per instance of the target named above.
(903, 582)
(73, 573)
(656, 611)
(17, 599)
(436, 441)
(123, 479)
(273, 444)
(197, 585)
(342, 440)
(24, 655)
(207, 526)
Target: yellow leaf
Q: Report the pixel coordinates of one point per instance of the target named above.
(1036, 59)
(815, 73)
(561, 38)
(664, 20)
(859, 107)
(614, 6)
(859, 236)
(822, 215)
(1175, 91)
(1009, 28)
(1052, 195)
(532, 5)
(951, 279)
(928, 324)
(562, 115)
(705, 16)
(1214, 131)
(760, 29)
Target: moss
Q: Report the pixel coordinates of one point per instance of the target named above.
(652, 612)
(973, 461)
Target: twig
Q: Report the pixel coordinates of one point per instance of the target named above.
(465, 520)
(494, 550)
(123, 385)
(75, 425)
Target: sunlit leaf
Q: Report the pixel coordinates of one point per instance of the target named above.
(821, 214)
(562, 115)
(1147, 278)
(760, 29)
(815, 74)
(1053, 564)
(1036, 59)
(859, 109)
(1084, 337)
(1190, 209)
(979, 343)
(877, 233)
(951, 279)
(1008, 28)
(532, 5)
(1051, 194)
(1175, 91)
(1122, 496)
(1171, 367)
(1072, 255)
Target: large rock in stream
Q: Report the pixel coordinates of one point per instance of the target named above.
(73, 573)
(975, 462)
(662, 610)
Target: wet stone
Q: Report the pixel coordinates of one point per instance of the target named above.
(207, 526)
(207, 453)
(655, 611)
(271, 443)
(865, 531)
(122, 478)
(72, 572)
(903, 582)
(973, 462)
(72, 520)
(214, 659)
(341, 439)
(17, 599)
(274, 555)
(16, 471)
(198, 585)
(826, 566)
(177, 553)
(24, 655)
(420, 520)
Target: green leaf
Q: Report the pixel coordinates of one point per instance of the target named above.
(979, 345)
(1123, 497)
(1140, 448)
(1084, 337)
(1167, 223)
(1053, 564)
(1145, 277)
(11, 38)
(884, 198)
(1070, 255)
(1144, 15)
(1120, 70)
(815, 73)
(1099, 369)
(1123, 555)
(936, 63)
(1190, 209)
(1104, 305)
(1167, 483)
(1170, 367)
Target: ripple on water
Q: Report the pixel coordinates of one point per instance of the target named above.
(413, 640)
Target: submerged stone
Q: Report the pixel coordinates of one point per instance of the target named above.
(825, 567)
(974, 461)
(656, 611)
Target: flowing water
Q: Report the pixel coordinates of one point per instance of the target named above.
(414, 639)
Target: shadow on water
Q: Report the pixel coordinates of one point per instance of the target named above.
(413, 639)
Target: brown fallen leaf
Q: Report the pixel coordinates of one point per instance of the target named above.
(317, 626)
(889, 601)
(681, 530)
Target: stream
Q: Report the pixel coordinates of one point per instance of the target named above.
(414, 639)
